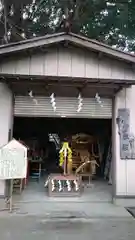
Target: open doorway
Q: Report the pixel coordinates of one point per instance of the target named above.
(44, 137)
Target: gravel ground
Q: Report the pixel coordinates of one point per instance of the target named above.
(33, 228)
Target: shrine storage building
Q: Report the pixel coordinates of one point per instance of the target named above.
(68, 65)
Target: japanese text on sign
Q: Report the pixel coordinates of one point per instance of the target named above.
(13, 163)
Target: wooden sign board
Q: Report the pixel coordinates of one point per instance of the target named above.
(66, 186)
(13, 161)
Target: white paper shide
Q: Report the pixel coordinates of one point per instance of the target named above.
(13, 161)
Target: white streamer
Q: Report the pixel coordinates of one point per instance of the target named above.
(68, 185)
(53, 102)
(80, 103)
(98, 99)
(53, 185)
(60, 186)
(76, 185)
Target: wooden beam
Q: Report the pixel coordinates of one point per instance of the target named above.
(64, 84)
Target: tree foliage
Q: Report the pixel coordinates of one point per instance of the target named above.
(112, 21)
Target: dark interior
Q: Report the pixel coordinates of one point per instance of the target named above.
(40, 128)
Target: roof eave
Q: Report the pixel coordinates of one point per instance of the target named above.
(99, 47)
(74, 39)
(25, 45)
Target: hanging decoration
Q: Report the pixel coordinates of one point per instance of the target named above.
(53, 102)
(68, 185)
(60, 185)
(31, 94)
(80, 103)
(98, 99)
(53, 185)
(66, 158)
(32, 97)
(76, 185)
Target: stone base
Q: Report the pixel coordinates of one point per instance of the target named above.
(2, 204)
(124, 201)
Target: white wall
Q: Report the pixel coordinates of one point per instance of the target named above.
(125, 169)
(6, 119)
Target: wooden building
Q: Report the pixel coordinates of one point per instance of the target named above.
(69, 64)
